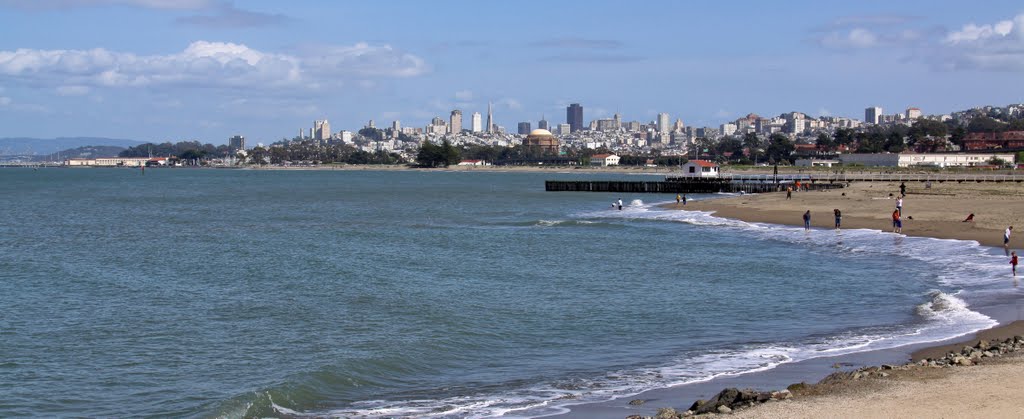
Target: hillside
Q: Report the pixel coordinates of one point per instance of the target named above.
(86, 152)
(43, 146)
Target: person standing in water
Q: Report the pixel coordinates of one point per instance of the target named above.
(1013, 262)
(684, 199)
(678, 198)
(807, 220)
(1006, 236)
(839, 217)
(620, 204)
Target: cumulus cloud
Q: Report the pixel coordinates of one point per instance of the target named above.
(206, 64)
(998, 46)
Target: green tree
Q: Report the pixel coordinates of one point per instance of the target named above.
(780, 148)
(985, 124)
(825, 142)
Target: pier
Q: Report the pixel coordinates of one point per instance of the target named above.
(764, 183)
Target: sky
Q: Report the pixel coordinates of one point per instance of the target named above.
(173, 70)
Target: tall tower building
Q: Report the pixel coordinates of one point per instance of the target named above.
(236, 143)
(618, 121)
(524, 128)
(543, 123)
(321, 130)
(663, 123)
(574, 117)
(455, 123)
(490, 118)
(477, 125)
(872, 115)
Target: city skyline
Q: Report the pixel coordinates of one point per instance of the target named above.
(209, 69)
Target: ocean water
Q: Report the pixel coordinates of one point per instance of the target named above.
(236, 293)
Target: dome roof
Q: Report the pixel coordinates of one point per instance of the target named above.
(541, 132)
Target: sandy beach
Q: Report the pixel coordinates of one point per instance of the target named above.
(987, 389)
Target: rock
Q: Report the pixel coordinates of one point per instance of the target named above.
(883, 374)
(637, 402)
(888, 367)
(763, 397)
(797, 386)
(856, 375)
(666, 413)
(697, 404)
(687, 413)
(634, 417)
(724, 409)
(983, 345)
(781, 395)
(988, 354)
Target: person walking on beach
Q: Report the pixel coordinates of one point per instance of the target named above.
(789, 192)
(807, 220)
(903, 189)
(899, 205)
(897, 224)
(620, 204)
(684, 199)
(839, 217)
(678, 198)
(1013, 262)
(1006, 236)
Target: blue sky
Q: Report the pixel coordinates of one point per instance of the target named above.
(157, 70)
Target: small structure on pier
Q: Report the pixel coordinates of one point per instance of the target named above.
(700, 169)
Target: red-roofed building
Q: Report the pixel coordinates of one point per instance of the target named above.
(700, 168)
(604, 160)
(993, 140)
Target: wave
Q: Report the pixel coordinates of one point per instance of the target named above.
(940, 315)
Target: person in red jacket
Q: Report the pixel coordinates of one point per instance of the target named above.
(1013, 262)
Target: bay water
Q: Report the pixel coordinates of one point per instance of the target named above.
(239, 293)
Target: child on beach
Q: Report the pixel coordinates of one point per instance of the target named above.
(1013, 262)
(789, 192)
(839, 217)
(1006, 236)
(897, 225)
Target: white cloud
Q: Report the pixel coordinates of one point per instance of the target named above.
(994, 47)
(208, 64)
(855, 38)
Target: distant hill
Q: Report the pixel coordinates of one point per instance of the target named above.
(43, 146)
(86, 152)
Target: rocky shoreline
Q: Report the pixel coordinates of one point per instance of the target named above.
(730, 400)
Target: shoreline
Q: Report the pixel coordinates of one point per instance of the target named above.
(936, 214)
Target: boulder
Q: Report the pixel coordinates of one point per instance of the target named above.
(637, 402)
(724, 409)
(797, 386)
(983, 345)
(666, 413)
(781, 395)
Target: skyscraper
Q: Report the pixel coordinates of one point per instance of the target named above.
(574, 117)
(490, 118)
(321, 130)
(477, 126)
(872, 115)
(663, 123)
(524, 128)
(543, 123)
(455, 125)
(236, 143)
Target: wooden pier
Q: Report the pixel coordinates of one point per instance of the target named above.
(677, 185)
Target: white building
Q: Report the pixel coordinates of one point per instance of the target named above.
(913, 113)
(663, 127)
(604, 160)
(455, 123)
(816, 163)
(478, 124)
(346, 136)
(700, 168)
(321, 130)
(925, 159)
(564, 129)
(728, 129)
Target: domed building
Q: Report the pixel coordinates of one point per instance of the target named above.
(541, 142)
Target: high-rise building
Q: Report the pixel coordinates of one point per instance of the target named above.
(455, 125)
(663, 127)
(618, 121)
(236, 143)
(574, 117)
(477, 126)
(396, 128)
(564, 129)
(913, 113)
(873, 115)
(490, 118)
(321, 130)
(543, 123)
(370, 124)
(524, 128)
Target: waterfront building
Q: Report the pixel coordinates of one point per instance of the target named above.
(477, 124)
(455, 126)
(700, 168)
(524, 128)
(604, 160)
(926, 159)
(873, 115)
(236, 143)
(574, 117)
